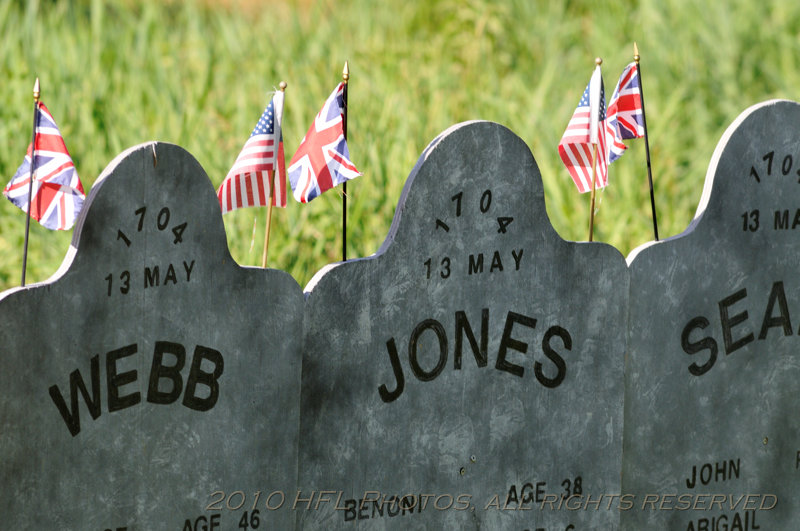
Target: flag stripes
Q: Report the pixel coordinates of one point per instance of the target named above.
(57, 194)
(260, 167)
(576, 147)
(322, 160)
(625, 111)
(626, 104)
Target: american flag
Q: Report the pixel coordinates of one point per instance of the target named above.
(322, 161)
(587, 127)
(248, 181)
(625, 110)
(57, 193)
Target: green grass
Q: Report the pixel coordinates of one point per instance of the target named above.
(197, 74)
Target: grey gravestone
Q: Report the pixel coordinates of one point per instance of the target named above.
(474, 363)
(154, 384)
(713, 375)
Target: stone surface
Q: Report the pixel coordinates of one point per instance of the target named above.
(154, 377)
(475, 366)
(713, 373)
(474, 362)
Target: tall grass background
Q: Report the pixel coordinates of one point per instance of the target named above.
(199, 73)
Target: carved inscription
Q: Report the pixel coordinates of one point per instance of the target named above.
(770, 162)
(480, 261)
(714, 472)
(165, 383)
(733, 328)
(773, 165)
(554, 341)
(151, 275)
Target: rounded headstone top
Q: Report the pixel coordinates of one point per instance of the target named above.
(478, 181)
(752, 182)
(155, 195)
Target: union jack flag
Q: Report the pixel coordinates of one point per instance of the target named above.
(248, 181)
(625, 111)
(57, 193)
(322, 161)
(586, 128)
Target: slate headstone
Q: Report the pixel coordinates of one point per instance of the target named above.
(474, 363)
(153, 383)
(713, 372)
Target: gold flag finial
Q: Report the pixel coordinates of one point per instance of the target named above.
(36, 91)
(282, 85)
(598, 61)
(635, 53)
(346, 72)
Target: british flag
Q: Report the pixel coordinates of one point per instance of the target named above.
(322, 161)
(625, 111)
(57, 193)
(587, 128)
(261, 160)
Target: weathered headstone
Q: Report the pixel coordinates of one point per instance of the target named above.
(154, 384)
(712, 435)
(472, 368)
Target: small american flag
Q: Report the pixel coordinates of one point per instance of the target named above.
(248, 181)
(322, 161)
(57, 193)
(586, 128)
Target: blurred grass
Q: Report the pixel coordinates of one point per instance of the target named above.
(198, 74)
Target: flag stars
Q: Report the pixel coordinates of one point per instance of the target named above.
(258, 171)
(585, 98)
(265, 125)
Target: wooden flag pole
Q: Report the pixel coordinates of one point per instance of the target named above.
(36, 94)
(646, 143)
(345, 78)
(594, 178)
(597, 62)
(275, 174)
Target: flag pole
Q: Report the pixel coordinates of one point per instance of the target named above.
(598, 61)
(276, 172)
(345, 79)
(646, 143)
(36, 94)
(594, 177)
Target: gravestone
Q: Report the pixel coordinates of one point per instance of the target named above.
(712, 435)
(468, 375)
(152, 383)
